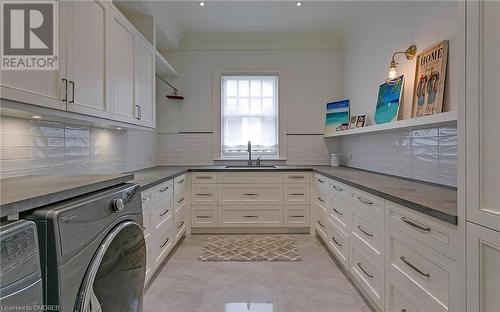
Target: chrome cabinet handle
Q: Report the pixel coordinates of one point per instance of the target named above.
(320, 224)
(338, 244)
(338, 212)
(321, 181)
(180, 200)
(203, 194)
(164, 243)
(250, 216)
(144, 199)
(138, 112)
(366, 233)
(164, 213)
(415, 224)
(321, 200)
(180, 225)
(339, 189)
(180, 181)
(203, 177)
(364, 201)
(297, 194)
(204, 217)
(414, 267)
(250, 194)
(359, 265)
(296, 177)
(65, 90)
(72, 83)
(164, 189)
(297, 216)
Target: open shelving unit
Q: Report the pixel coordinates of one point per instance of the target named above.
(442, 119)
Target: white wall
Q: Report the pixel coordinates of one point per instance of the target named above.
(375, 34)
(313, 77)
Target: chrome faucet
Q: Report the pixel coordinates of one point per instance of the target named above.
(249, 149)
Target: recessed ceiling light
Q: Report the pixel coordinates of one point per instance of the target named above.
(202, 3)
(36, 117)
(299, 3)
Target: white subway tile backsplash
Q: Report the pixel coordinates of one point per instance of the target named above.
(37, 147)
(425, 154)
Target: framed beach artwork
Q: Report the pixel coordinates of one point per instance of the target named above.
(389, 100)
(337, 113)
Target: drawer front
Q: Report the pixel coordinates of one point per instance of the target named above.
(441, 236)
(339, 192)
(203, 177)
(161, 215)
(163, 245)
(369, 275)
(250, 177)
(368, 234)
(341, 216)
(250, 194)
(321, 226)
(321, 203)
(399, 298)
(180, 182)
(297, 194)
(368, 203)
(338, 243)
(204, 194)
(296, 177)
(322, 183)
(249, 216)
(203, 216)
(180, 223)
(296, 216)
(427, 273)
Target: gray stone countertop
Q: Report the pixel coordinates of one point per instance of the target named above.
(25, 193)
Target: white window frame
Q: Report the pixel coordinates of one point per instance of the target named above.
(217, 107)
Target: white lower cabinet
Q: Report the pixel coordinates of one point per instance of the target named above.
(369, 275)
(400, 299)
(236, 216)
(483, 265)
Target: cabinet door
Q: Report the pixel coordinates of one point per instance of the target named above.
(40, 87)
(121, 59)
(86, 59)
(145, 83)
(483, 113)
(483, 274)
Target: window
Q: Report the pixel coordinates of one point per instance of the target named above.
(249, 112)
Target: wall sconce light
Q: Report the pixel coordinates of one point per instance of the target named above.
(409, 53)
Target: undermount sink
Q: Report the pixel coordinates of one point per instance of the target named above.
(249, 167)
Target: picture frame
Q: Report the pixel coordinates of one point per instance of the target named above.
(430, 78)
(353, 122)
(337, 114)
(361, 121)
(389, 100)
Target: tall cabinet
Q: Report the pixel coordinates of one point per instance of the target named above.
(483, 155)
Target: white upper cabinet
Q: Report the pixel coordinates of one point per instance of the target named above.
(483, 113)
(122, 46)
(145, 83)
(86, 58)
(40, 87)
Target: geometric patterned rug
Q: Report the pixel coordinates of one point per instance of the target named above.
(251, 248)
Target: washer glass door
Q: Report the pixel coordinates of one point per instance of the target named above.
(115, 279)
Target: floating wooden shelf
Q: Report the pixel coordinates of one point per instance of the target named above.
(163, 68)
(442, 119)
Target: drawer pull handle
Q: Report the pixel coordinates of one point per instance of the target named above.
(320, 224)
(204, 217)
(321, 181)
(164, 243)
(180, 225)
(203, 178)
(180, 181)
(364, 201)
(338, 189)
(164, 189)
(302, 216)
(359, 265)
(338, 212)
(180, 200)
(164, 213)
(338, 244)
(250, 194)
(250, 216)
(414, 267)
(366, 233)
(415, 224)
(297, 194)
(144, 199)
(321, 200)
(203, 194)
(297, 177)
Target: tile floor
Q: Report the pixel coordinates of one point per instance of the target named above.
(315, 284)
